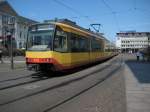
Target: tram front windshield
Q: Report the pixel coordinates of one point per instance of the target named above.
(40, 38)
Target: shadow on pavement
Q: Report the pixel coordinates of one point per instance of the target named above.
(140, 69)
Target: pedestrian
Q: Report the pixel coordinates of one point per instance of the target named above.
(138, 55)
(1, 53)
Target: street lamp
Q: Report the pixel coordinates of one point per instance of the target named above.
(11, 31)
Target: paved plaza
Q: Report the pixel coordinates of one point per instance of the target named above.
(126, 90)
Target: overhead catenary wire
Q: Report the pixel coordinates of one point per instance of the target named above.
(107, 5)
(140, 9)
(87, 17)
(73, 10)
(113, 13)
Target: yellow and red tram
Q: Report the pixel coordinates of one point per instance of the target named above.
(62, 45)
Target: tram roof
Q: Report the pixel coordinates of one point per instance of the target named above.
(73, 24)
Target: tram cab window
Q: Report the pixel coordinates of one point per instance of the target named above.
(60, 41)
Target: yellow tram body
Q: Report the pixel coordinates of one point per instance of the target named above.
(68, 60)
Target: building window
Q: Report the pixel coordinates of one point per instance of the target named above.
(20, 34)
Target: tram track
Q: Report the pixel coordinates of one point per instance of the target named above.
(26, 80)
(64, 83)
(83, 91)
(6, 80)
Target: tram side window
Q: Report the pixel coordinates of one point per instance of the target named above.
(84, 44)
(74, 44)
(96, 45)
(60, 41)
(78, 43)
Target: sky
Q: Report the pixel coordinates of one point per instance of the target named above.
(113, 15)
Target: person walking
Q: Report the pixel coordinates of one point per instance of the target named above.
(1, 53)
(138, 55)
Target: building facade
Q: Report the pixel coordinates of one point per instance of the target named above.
(13, 24)
(132, 41)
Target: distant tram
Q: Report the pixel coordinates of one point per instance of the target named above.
(61, 45)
